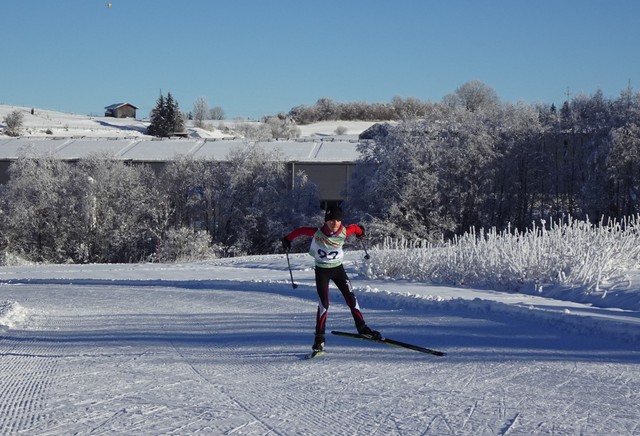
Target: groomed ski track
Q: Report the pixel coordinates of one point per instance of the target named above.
(218, 348)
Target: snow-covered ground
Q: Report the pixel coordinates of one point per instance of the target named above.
(48, 124)
(218, 347)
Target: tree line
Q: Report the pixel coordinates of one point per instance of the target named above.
(471, 95)
(101, 209)
(471, 161)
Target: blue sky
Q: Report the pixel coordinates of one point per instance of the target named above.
(256, 58)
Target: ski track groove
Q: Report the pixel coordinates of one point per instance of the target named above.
(510, 425)
(468, 417)
(24, 385)
(112, 418)
(241, 405)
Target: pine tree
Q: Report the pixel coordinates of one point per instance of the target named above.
(166, 118)
(157, 118)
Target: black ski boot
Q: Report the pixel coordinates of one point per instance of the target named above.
(318, 344)
(318, 347)
(364, 330)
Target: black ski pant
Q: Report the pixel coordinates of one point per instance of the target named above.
(339, 276)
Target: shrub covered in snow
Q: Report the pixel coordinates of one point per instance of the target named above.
(569, 253)
(14, 122)
(184, 244)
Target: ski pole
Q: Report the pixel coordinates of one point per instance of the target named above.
(293, 284)
(366, 254)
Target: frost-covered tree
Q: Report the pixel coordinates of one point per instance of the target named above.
(282, 126)
(187, 184)
(591, 114)
(408, 109)
(397, 181)
(257, 182)
(519, 167)
(254, 131)
(200, 111)
(216, 113)
(184, 244)
(99, 210)
(624, 169)
(327, 109)
(44, 210)
(466, 148)
(626, 108)
(473, 96)
(14, 121)
(124, 212)
(254, 200)
(453, 170)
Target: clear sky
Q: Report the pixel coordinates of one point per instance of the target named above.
(261, 57)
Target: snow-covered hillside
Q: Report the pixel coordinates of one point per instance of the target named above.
(47, 123)
(43, 123)
(217, 348)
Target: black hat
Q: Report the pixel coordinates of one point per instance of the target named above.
(334, 213)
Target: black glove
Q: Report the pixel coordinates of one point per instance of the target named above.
(362, 234)
(286, 244)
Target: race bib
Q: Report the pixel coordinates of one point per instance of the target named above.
(327, 250)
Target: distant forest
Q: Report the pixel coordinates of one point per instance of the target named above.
(472, 95)
(438, 170)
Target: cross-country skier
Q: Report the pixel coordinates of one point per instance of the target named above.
(326, 249)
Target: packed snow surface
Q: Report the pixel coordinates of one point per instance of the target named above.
(218, 347)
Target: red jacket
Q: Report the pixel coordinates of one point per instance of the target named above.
(310, 231)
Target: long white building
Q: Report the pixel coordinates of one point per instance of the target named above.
(327, 161)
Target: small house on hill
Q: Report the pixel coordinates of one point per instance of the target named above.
(120, 110)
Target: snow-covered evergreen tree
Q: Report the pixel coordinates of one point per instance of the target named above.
(166, 118)
(157, 124)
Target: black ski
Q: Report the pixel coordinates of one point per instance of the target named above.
(391, 342)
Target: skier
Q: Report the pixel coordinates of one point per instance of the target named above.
(326, 249)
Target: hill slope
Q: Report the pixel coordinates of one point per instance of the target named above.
(46, 123)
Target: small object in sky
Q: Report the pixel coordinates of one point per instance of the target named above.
(109, 5)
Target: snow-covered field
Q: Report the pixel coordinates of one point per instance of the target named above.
(217, 347)
(48, 124)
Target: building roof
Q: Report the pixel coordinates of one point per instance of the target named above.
(322, 150)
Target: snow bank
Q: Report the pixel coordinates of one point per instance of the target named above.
(11, 314)
(567, 317)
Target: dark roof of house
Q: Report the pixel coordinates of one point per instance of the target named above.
(378, 130)
(117, 105)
